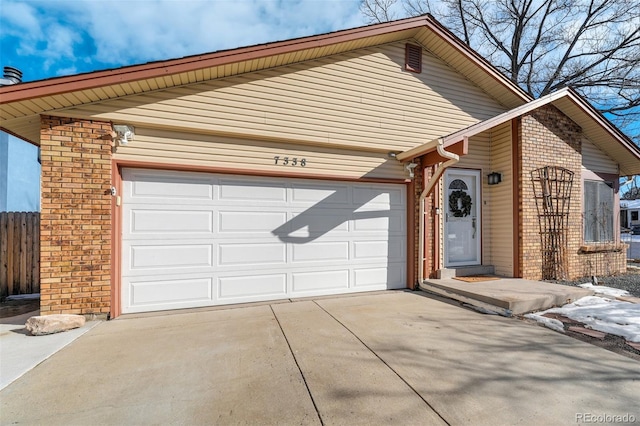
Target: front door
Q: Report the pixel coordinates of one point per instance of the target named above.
(462, 218)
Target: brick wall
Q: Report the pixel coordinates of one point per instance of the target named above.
(422, 177)
(548, 138)
(432, 220)
(602, 263)
(414, 203)
(75, 222)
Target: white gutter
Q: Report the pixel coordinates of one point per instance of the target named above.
(452, 159)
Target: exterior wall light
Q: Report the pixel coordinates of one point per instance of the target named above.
(494, 178)
(125, 133)
(409, 167)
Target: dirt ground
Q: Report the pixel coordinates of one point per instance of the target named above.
(18, 307)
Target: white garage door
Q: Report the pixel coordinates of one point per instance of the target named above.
(196, 239)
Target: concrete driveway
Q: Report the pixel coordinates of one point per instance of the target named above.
(383, 358)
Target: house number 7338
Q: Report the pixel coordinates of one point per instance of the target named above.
(290, 161)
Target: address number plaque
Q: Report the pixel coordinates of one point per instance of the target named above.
(289, 161)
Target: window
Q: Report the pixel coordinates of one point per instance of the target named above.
(598, 211)
(634, 215)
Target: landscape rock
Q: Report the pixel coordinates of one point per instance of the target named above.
(50, 324)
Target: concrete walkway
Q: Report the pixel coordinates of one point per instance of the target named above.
(385, 358)
(20, 352)
(506, 296)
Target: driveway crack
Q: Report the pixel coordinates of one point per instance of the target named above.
(304, 379)
(383, 361)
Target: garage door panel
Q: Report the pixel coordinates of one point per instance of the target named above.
(376, 198)
(313, 223)
(319, 280)
(170, 221)
(168, 293)
(151, 186)
(327, 194)
(171, 256)
(393, 222)
(248, 239)
(252, 192)
(248, 288)
(317, 251)
(243, 222)
(380, 278)
(232, 254)
(378, 249)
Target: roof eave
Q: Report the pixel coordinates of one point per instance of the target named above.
(567, 93)
(58, 85)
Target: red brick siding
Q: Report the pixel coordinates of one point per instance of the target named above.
(548, 138)
(75, 227)
(422, 177)
(432, 220)
(414, 203)
(602, 264)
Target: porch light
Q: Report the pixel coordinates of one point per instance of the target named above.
(495, 178)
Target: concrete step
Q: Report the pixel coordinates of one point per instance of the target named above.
(506, 296)
(465, 271)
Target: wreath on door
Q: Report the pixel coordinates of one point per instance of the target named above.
(460, 203)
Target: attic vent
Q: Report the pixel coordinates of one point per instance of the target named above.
(413, 58)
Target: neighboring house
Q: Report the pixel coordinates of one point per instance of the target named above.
(299, 168)
(629, 213)
(19, 175)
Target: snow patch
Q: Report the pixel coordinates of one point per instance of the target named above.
(608, 291)
(551, 323)
(598, 313)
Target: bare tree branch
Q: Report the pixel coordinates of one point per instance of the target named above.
(544, 45)
(378, 10)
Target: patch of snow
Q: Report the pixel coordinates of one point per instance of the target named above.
(606, 315)
(608, 291)
(551, 323)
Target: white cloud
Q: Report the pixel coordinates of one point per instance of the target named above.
(20, 18)
(115, 33)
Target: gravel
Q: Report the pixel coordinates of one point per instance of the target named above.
(629, 281)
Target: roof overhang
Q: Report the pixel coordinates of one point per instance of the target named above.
(594, 125)
(21, 104)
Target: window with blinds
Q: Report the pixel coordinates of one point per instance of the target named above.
(598, 211)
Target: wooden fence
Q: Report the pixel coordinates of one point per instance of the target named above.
(19, 253)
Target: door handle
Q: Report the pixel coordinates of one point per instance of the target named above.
(473, 224)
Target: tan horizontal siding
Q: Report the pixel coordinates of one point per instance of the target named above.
(479, 152)
(490, 151)
(219, 152)
(361, 98)
(500, 202)
(478, 158)
(595, 160)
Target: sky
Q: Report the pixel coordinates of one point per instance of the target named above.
(54, 38)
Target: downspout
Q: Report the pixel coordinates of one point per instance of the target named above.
(452, 159)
